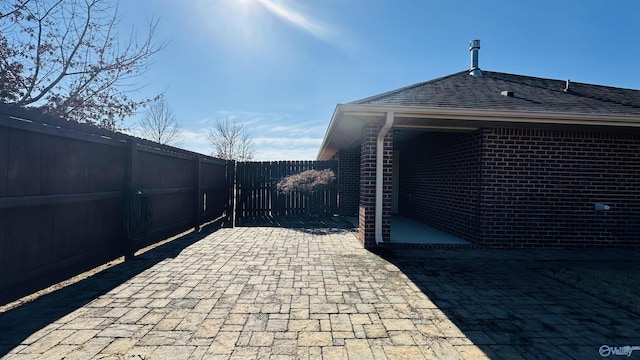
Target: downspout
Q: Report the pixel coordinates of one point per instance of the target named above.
(379, 174)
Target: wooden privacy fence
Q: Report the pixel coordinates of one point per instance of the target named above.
(68, 189)
(258, 197)
(74, 196)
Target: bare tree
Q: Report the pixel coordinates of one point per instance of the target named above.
(231, 141)
(66, 57)
(159, 124)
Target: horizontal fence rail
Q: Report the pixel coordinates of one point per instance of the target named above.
(74, 196)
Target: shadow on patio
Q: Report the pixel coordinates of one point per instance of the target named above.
(305, 224)
(20, 322)
(506, 307)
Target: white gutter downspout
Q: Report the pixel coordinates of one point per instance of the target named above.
(379, 174)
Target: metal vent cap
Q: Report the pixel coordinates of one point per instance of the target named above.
(474, 48)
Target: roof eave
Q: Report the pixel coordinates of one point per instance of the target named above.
(476, 115)
(335, 118)
(493, 115)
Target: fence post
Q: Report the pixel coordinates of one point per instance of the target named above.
(198, 193)
(231, 174)
(130, 186)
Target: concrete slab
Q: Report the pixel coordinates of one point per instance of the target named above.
(408, 231)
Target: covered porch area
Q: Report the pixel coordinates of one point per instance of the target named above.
(406, 231)
(411, 180)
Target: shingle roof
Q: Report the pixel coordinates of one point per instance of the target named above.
(460, 90)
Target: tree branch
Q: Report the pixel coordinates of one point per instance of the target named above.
(67, 62)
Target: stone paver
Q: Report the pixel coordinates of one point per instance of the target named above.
(293, 293)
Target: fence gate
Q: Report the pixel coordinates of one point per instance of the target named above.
(257, 196)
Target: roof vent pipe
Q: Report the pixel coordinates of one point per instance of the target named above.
(474, 48)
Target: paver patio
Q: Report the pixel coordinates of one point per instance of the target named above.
(295, 293)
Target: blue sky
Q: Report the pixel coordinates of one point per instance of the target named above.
(281, 66)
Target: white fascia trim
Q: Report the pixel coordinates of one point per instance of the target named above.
(335, 119)
(493, 115)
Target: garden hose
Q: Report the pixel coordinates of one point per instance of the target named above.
(138, 212)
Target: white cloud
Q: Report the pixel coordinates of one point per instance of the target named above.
(196, 141)
(287, 142)
(276, 136)
(267, 148)
(286, 148)
(294, 129)
(244, 117)
(281, 155)
(259, 123)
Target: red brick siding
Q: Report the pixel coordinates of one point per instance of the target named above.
(440, 181)
(539, 188)
(348, 182)
(366, 212)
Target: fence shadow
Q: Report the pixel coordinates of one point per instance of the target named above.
(323, 225)
(501, 301)
(19, 323)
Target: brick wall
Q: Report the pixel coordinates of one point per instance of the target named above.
(348, 181)
(539, 188)
(366, 211)
(509, 187)
(440, 181)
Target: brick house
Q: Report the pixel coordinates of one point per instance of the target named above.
(500, 160)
